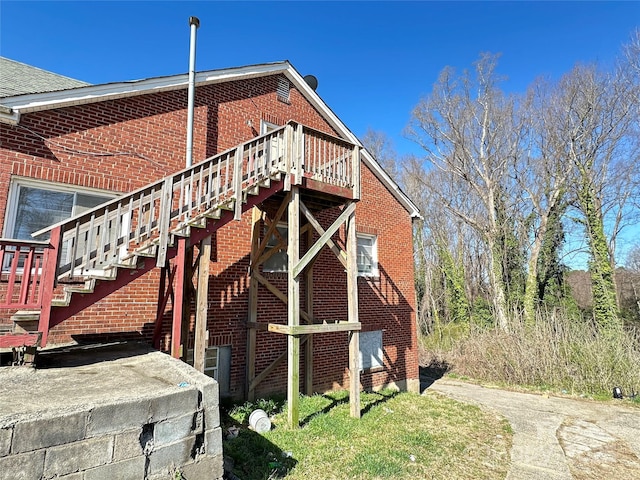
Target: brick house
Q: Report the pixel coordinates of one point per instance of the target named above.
(285, 247)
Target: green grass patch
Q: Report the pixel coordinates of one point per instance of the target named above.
(400, 436)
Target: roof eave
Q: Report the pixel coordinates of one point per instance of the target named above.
(98, 93)
(8, 115)
(13, 107)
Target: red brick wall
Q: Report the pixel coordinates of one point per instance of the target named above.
(145, 139)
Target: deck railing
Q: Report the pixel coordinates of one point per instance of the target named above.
(147, 218)
(21, 277)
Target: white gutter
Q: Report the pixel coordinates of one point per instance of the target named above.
(194, 23)
(35, 102)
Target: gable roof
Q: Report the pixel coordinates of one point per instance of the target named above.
(19, 78)
(11, 107)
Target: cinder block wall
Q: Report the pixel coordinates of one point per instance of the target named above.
(148, 438)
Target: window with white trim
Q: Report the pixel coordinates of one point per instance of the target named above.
(267, 127)
(278, 260)
(371, 355)
(367, 253)
(217, 365)
(34, 205)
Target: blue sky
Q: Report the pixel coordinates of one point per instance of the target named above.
(374, 60)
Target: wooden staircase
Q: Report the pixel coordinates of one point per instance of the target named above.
(94, 254)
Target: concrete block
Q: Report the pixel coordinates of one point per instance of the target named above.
(173, 455)
(72, 476)
(5, 441)
(210, 392)
(173, 429)
(117, 417)
(174, 404)
(198, 422)
(207, 385)
(127, 445)
(26, 466)
(46, 432)
(207, 467)
(78, 456)
(130, 469)
(211, 417)
(213, 442)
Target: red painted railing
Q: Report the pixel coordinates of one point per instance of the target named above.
(23, 264)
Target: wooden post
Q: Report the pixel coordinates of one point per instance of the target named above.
(256, 216)
(157, 328)
(48, 282)
(201, 341)
(354, 336)
(308, 346)
(293, 341)
(176, 327)
(187, 285)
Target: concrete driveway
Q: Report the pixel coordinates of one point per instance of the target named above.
(559, 438)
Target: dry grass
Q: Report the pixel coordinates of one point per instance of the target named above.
(556, 354)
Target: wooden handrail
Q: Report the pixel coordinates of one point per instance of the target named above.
(22, 264)
(150, 216)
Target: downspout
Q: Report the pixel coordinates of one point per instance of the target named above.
(194, 23)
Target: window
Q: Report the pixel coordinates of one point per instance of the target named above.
(276, 248)
(367, 253)
(371, 355)
(35, 205)
(267, 127)
(217, 365)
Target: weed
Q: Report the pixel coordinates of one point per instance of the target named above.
(558, 354)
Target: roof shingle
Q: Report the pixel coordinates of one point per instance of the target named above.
(19, 79)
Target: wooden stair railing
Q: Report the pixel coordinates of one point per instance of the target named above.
(133, 230)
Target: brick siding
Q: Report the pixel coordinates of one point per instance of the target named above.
(124, 144)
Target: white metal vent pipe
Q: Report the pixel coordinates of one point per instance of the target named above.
(194, 23)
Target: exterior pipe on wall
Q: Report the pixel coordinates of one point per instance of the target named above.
(194, 23)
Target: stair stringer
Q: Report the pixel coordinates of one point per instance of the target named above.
(100, 288)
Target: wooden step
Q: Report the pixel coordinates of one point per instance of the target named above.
(25, 321)
(253, 189)
(88, 287)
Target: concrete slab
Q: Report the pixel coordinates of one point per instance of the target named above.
(75, 378)
(558, 438)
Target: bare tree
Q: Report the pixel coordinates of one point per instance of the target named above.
(594, 136)
(469, 129)
(543, 175)
(633, 264)
(381, 147)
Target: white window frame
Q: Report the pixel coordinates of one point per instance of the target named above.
(371, 353)
(266, 127)
(14, 195)
(221, 373)
(209, 353)
(374, 255)
(283, 228)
